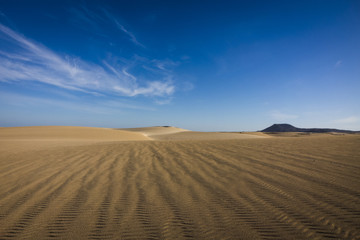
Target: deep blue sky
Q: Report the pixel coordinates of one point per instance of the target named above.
(200, 65)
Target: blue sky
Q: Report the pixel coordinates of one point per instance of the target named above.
(200, 65)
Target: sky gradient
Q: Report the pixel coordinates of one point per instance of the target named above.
(199, 65)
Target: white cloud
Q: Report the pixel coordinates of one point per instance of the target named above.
(279, 116)
(164, 101)
(69, 102)
(352, 119)
(153, 88)
(31, 61)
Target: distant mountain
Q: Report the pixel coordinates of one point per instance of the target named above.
(289, 128)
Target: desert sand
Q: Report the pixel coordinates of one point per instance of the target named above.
(170, 183)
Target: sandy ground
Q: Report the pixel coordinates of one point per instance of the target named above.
(90, 183)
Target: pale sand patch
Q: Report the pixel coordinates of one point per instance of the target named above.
(173, 133)
(259, 188)
(153, 131)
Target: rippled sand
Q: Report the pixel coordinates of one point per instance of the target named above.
(85, 187)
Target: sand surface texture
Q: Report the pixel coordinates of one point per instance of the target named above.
(117, 185)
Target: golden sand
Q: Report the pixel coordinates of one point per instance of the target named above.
(92, 183)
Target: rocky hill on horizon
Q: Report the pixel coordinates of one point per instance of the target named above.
(284, 127)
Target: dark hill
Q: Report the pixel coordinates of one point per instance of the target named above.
(281, 128)
(289, 128)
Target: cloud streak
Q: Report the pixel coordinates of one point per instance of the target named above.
(348, 120)
(94, 20)
(31, 61)
(122, 28)
(74, 103)
(131, 35)
(338, 63)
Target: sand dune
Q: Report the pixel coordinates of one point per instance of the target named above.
(25, 138)
(173, 133)
(260, 188)
(67, 133)
(154, 131)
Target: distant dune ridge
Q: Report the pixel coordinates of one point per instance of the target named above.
(171, 183)
(153, 131)
(284, 127)
(68, 133)
(169, 133)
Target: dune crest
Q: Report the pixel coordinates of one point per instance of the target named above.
(42, 137)
(68, 133)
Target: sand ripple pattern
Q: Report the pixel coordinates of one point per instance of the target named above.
(276, 188)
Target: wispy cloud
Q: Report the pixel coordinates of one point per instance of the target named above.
(351, 119)
(98, 19)
(121, 27)
(164, 65)
(99, 107)
(31, 61)
(85, 17)
(338, 63)
(130, 34)
(280, 116)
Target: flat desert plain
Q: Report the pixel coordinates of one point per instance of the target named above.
(169, 183)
